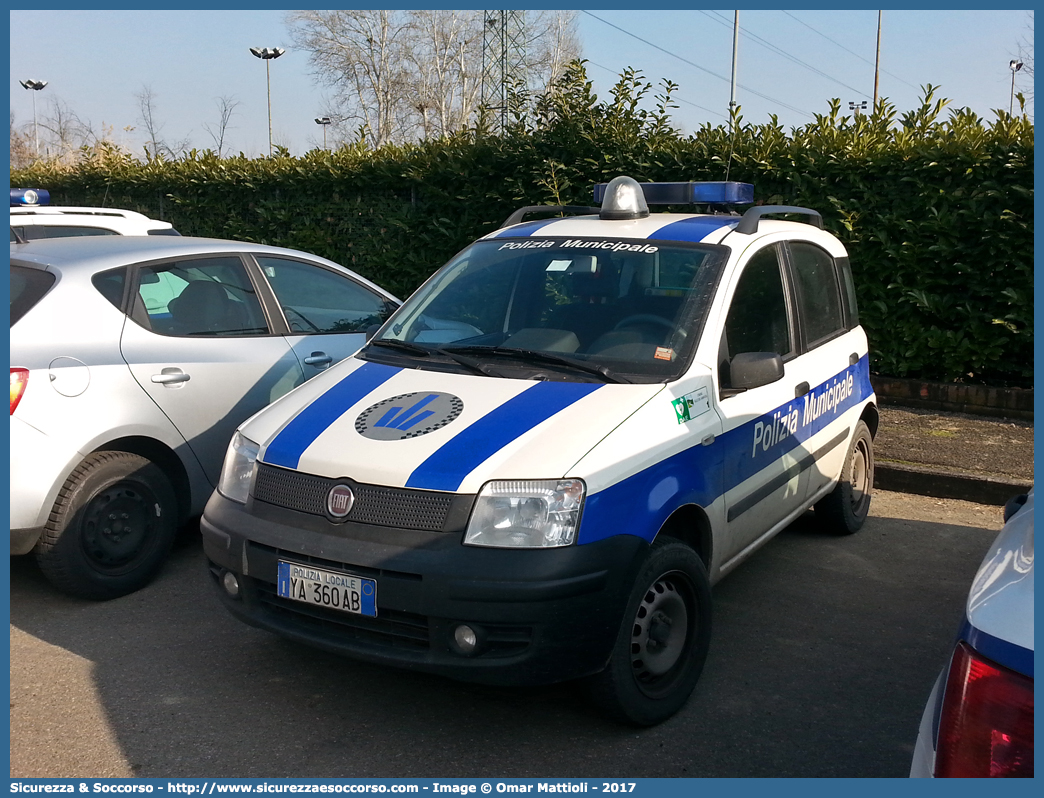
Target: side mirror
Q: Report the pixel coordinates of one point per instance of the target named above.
(754, 369)
(372, 330)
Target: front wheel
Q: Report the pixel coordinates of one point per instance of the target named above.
(846, 507)
(111, 527)
(663, 639)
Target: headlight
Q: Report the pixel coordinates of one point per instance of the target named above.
(529, 514)
(238, 469)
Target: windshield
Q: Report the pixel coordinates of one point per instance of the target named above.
(556, 308)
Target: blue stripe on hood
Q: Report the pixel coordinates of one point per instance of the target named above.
(449, 465)
(313, 420)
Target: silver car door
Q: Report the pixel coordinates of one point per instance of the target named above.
(326, 311)
(199, 344)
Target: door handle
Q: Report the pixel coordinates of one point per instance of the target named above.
(319, 360)
(800, 389)
(170, 377)
(853, 358)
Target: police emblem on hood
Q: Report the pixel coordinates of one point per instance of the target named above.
(409, 415)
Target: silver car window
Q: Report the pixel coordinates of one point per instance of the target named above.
(201, 297)
(317, 300)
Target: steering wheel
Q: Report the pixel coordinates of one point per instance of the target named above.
(639, 319)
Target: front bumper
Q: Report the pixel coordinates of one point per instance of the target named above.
(541, 616)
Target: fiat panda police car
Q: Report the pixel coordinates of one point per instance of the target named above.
(537, 467)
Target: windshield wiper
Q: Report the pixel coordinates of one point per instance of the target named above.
(423, 351)
(402, 346)
(536, 356)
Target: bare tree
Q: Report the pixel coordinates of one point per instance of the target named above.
(153, 129)
(22, 147)
(362, 57)
(446, 57)
(64, 132)
(226, 107)
(403, 75)
(552, 42)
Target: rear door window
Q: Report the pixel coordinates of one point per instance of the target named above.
(819, 294)
(200, 297)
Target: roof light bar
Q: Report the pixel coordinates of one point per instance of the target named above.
(708, 193)
(30, 196)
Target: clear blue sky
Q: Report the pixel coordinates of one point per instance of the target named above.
(96, 61)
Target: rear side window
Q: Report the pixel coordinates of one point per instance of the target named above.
(819, 294)
(163, 231)
(28, 287)
(31, 232)
(110, 285)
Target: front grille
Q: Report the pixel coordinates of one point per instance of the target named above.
(374, 504)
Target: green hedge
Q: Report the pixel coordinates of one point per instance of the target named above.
(936, 213)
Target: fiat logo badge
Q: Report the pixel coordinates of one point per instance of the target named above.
(339, 501)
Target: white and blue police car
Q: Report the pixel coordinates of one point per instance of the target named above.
(978, 721)
(33, 217)
(537, 468)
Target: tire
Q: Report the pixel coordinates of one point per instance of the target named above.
(663, 639)
(844, 509)
(83, 556)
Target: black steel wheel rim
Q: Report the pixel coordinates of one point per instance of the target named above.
(118, 525)
(663, 633)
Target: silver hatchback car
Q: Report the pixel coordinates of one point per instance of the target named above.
(133, 361)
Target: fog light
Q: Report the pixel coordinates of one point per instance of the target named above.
(231, 584)
(466, 639)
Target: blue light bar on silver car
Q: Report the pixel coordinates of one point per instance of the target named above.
(709, 193)
(30, 196)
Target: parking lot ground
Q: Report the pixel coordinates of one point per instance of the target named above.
(823, 654)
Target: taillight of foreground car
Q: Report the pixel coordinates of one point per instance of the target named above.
(986, 728)
(19, 378)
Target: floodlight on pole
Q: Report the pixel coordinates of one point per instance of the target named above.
(855, 107)
(324, 121)
(1014, 65)
(266, 54)
(35, 86)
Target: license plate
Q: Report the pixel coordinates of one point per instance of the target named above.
(333, 589)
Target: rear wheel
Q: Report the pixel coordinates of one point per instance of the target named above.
(663, 639)
(111, 527)
(846, 507)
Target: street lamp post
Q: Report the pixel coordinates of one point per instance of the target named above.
(35, 86)
(266, 54)
(1014, 66)
(324, 121)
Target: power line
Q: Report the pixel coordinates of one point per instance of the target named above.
(694, 64)
(853, 52)
(779, 51)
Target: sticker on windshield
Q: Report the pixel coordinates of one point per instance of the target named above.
(409, 415)
(692, 405)
(664, 353)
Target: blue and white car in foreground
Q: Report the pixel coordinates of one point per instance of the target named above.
(538, 466)
(979, 719)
